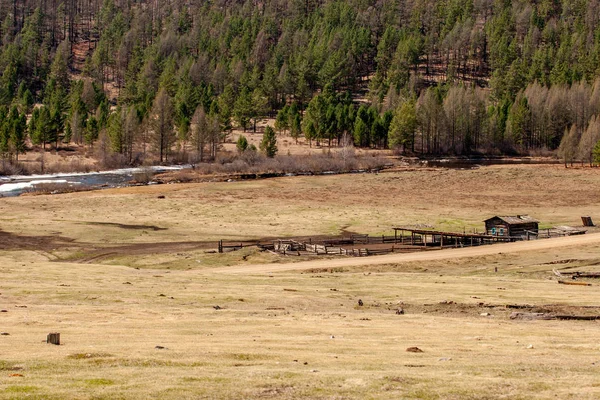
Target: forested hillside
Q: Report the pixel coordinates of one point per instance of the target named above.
(432, 76)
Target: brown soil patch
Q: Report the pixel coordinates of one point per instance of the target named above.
(11, 241)
(481, 309)
(127, 226)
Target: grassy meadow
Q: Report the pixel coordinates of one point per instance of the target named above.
(144, 312)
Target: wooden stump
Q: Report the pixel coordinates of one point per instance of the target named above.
(53, 338)
(587, 221)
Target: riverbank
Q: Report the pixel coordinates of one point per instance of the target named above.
(240, 168)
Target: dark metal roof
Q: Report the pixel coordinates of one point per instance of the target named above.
(515, 219)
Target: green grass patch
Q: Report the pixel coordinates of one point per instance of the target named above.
(8, 366)
(247, 357)
(99, 382)
(21, 389)
(204, 379)
(87, 356)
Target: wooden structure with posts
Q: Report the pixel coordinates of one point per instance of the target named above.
(407, 239)
(432, 238)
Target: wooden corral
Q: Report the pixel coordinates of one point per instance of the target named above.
(432, 238)
(226, 247)
(405, 239)
(354, 245)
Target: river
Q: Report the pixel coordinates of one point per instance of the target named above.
(15, 185)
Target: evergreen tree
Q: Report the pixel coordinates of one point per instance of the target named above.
(92, 131)
(403, 126)
(17, 132)
(41, 126)
(596, 153)
(282, 121)
(4, 133)
(115, 131)
(243, 110)
(268, 145)
(361, 133)
(296, 127)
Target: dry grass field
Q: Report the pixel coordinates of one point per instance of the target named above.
(120, 272)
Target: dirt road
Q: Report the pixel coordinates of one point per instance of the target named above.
(534, 245)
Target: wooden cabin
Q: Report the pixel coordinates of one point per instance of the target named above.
(518, 226)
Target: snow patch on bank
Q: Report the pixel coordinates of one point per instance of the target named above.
(11, 187)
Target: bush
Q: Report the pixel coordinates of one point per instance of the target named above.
(11, 168)
(252, 162)
(144, 175)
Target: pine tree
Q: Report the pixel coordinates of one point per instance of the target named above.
(282, 121)
(596, 153)
(361, 133)
(199, 131)
(296, 127)
(268, 145)
(92, 131)
(4, 133)
(18, 130)
(115, 131)
(243, 110)
(403, 126)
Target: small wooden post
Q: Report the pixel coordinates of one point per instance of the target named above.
(53, 338)
(220, 246)
(587, 221)
(441, 241)
(395, 235)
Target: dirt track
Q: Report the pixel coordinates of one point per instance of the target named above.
(425, 256)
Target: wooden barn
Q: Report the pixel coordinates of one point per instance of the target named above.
(512, 226)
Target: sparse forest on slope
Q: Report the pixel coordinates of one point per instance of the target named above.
(439, 76)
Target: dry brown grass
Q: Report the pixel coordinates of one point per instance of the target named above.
(292, 335)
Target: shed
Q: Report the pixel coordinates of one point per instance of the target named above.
(512, 226)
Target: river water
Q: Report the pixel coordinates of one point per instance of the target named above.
(15, 185)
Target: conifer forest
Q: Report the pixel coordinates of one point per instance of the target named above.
(425, 77)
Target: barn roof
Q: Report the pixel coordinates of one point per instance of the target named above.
(514, 219)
